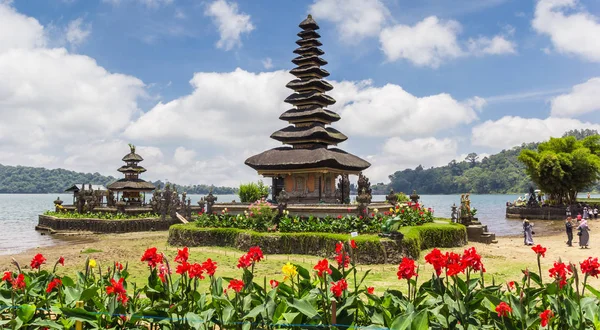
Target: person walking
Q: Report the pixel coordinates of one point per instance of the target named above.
(584, 234)
(527, 232)
(585, 212)
(569, 229)
(595, 212)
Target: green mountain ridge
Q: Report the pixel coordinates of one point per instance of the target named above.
(39, 180)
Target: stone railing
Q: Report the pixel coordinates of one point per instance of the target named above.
(541, 213)
(54, 224)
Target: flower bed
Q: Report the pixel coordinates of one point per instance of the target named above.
(261, 217)
(331, 294)
(374, 249)
(101, 215)
(47, 222)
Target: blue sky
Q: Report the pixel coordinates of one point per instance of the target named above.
(198, 85)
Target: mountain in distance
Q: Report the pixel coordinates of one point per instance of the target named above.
(501, 173)
(38, 180)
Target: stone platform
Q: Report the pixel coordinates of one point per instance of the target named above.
(541, 213)
(52, 225)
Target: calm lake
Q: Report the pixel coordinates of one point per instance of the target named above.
(18, 215)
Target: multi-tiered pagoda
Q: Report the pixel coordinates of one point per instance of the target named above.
(132, 189)
(308, 168)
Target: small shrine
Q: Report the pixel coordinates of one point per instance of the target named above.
(131, 189)
(307, 169)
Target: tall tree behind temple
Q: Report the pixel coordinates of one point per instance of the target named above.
(500, 173)
(580, 134)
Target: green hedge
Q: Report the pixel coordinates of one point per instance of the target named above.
(371, 248)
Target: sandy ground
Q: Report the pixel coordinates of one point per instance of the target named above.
(504, 260)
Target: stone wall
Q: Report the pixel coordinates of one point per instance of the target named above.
(541, 213)
(46, 222)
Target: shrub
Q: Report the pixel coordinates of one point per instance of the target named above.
(402, 198)
(252, 192)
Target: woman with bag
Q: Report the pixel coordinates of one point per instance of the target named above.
(584, 234)
(527, 232)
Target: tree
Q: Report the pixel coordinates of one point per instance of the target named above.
(472, 158)
(561, 167)
(580, 134)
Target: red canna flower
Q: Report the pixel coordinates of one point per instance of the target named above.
(503, 309)
(61, 261)
(19, 282)
(545, 316)
(236, 285)
(53, 284)
(182, 255)
(273, 284)
(370, 290)
(454, 264)
(339, 216)
(353, 244)
(472, 260)
(437, 260)
(210, 267)
(539, 250)
(338, 288)
(117, 289)
(196, 271)
(7, 276)
(322, 266)
(256, 254)
(162, 273)
(118, 266)
(559, 273)
(245, 261)
(183, 268)
(511, 285)
(590, 267)
(37, 261)
(406, 269)
(152, 257)
(339, 247)
(342, 260)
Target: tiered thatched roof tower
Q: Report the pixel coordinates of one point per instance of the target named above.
(308, 169)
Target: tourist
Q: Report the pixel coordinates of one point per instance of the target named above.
(528, 232)
(569, 211)
(589, 196)
(584, 234)
(585, 212)
(596, 211)
(569, 228)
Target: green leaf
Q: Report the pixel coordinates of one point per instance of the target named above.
(402, 322)
(281, 308)
(304, 307)
(194, 320)
(254, 312)
(292, 318)
(593, 291)
(420, 322)
(26, 312)
(47, 324)
(303, 272)
(89, 293)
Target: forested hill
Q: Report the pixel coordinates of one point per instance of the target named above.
(37, 180)
(497, 174)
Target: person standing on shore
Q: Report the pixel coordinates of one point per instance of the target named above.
(584, 234)
(569, 229)
(527, 232)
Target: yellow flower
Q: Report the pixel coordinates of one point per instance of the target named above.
(289, 270)
(376, 210)
(92, 263)
(391, 209)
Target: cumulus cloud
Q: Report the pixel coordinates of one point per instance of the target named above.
(583, 98)
(19, 31)
(267, 63)
(355, 19)
(510, 131)
(433, 41)
(392, 111)
(77, 32)
(571, 29)
(230, 23)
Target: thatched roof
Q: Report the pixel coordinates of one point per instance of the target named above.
(131, 184)
(308, 51)
(308, 34)
(309, 113)
(76, 187)
(309, 42)
(309, 24)
(306, 70)
(312, 97)
(297, 84)
(131, 169)
(288, 158)
(293, 135)
(304, 60)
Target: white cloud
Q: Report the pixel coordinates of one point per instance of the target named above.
(183, 156)
(230, 23)
(510, 131)
(77, 32)
(355, 19)
(19, 31)
(494, 46)
(427, 43)
(392, 111)
(571, 29)
(267, 63)
(425, 151)
(583, 98)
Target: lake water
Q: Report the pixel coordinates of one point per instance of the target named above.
(19, 216)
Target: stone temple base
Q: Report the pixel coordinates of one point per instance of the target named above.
(476, 232)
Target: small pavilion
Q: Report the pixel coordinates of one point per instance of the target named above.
(307, 168)
(132, 189)
(77, 187)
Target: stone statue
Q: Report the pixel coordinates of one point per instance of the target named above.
(465, 210)
(414, 197)
(344, 188)
(532, 201)
(210, 201)
(201, 203)
(363, 199)
(363, 183)
(110, 201)
(282, 201)
(392, 198)
(58, 204)
(454, 214)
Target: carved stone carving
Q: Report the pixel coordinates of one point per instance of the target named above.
(344, 189)
(210, 201)
(392, 198)
(414, 197)
(364, 184)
